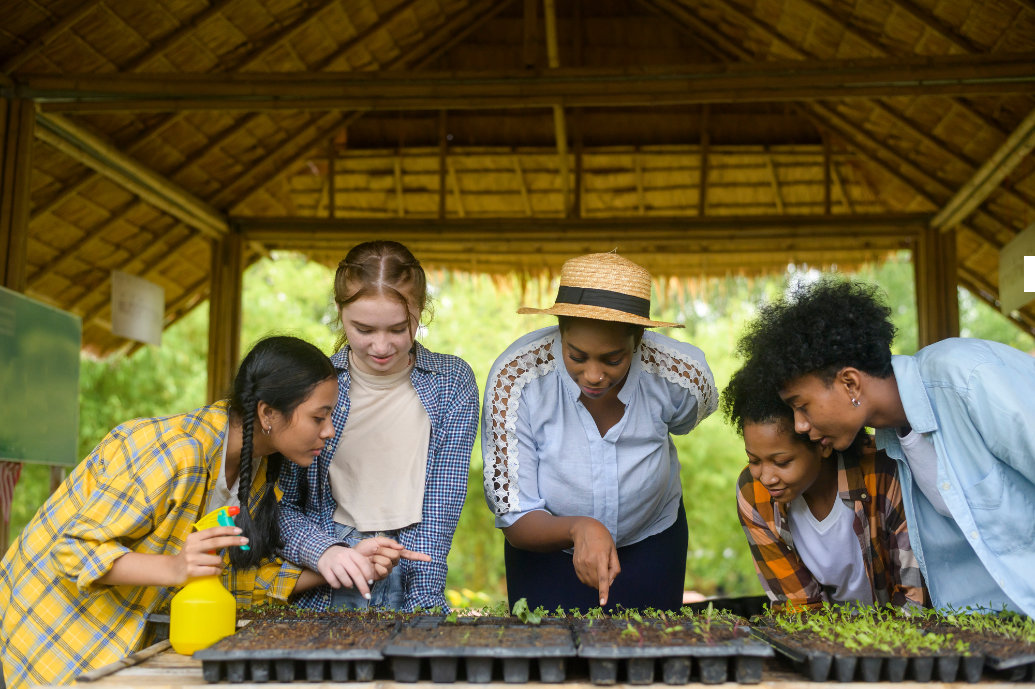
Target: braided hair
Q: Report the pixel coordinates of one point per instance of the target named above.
(380, 267)
(282, 372)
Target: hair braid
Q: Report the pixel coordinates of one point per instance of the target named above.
(282, 372)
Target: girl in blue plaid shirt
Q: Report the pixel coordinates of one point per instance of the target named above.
(404, 426)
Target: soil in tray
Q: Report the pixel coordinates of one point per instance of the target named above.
(675, 632)
(483, 636)
(304, 635)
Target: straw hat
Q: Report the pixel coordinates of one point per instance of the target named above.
(606, 287)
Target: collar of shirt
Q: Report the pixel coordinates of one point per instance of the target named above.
(850, 488)
(625, 395)
(422, 361)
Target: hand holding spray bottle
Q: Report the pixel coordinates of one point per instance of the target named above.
(203, 612)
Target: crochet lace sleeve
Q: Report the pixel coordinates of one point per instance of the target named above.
(680, 369)
(500, 440)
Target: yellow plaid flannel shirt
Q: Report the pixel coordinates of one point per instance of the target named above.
(140, 490)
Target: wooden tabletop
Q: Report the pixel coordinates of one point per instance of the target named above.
(170, 670)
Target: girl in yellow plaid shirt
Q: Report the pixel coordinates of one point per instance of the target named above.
(114, 542)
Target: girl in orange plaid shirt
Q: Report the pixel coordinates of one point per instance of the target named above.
(823, 526)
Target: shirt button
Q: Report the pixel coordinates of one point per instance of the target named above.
(974, 535)
(864, 496)
(945, 485)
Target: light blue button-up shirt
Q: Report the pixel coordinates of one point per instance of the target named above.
(974, 400)
(543, 451)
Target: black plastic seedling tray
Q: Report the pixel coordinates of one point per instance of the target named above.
(296, 659)
(707, 663)
(820, 666)
(419, 651)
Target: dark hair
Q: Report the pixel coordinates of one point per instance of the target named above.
(636, 331)
(282, 372)
(380, 268)
(819, 329)
(751, 397)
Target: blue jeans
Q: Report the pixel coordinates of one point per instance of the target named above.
(387, 593)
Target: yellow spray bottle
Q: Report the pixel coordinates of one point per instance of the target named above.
(203, 612)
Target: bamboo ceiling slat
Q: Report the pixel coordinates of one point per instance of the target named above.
(887, 154)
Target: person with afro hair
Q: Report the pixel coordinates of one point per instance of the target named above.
(822, 525)
(957, 417)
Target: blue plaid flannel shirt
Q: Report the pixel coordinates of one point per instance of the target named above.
(447, 389)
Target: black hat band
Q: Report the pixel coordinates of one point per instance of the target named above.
(590, 296)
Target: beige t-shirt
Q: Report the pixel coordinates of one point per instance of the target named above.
(377, 473)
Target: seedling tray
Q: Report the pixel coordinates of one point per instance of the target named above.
(681, 655)
(298, 650)
(483, 648)
(819, 665)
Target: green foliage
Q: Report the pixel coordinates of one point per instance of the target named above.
(474, 317)
(887, 629)
(523, 613)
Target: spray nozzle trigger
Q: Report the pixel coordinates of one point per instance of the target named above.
(224, 516)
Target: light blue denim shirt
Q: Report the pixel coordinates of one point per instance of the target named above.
(973, 399)
(542, 450)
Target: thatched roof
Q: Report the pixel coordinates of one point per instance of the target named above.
(698, 136)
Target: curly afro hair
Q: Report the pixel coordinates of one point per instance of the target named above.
(819, 329)
(751, 397)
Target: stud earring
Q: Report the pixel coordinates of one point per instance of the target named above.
(855, 402)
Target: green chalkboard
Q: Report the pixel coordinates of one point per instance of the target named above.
(39, 381)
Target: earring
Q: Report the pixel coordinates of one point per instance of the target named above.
(267, 429)
(855, 402)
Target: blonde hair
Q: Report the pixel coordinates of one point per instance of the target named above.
(381, 268)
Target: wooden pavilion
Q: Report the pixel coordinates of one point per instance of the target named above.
(180, 140)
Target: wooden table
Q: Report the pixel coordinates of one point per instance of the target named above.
(169, 670)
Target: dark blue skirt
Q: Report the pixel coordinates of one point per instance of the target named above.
(652, 575)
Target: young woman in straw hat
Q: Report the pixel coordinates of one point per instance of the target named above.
(580, 469)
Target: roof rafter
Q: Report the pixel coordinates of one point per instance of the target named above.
(736, 82)
(986, 179)
(92, 151)
(49, 35)
(450, 33)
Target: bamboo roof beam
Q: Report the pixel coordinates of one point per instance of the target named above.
(294, 232)
(559, 124)
(455, 183)
(977, 189)
(736, 82)
(774, 182)
(449, 34)
(176, 35)
(243, 64)
(641, 200)
(936, 25)
(522, 186)
(529, 33)
(400, 206)
(825, 118)
(842, 192)
(89, 149)
(49, 35)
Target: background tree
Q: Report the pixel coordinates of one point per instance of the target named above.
(474, 317)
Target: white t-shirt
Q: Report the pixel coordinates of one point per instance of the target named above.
(830, 549)
(222, 495)
(922, 459)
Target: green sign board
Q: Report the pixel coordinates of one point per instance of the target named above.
(39, 381)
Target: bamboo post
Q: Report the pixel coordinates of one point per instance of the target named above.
(224, 316)
(16, 128)
(16, 132)
(934, 271)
